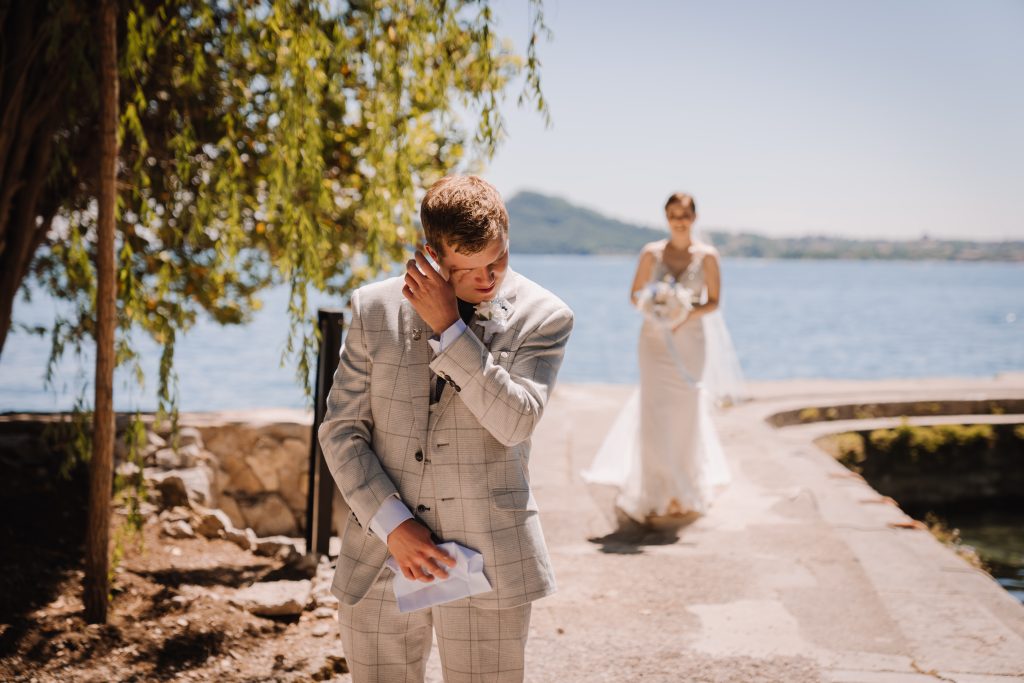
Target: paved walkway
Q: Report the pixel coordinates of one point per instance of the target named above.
(795, 575)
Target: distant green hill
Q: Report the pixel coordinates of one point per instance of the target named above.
(549, 225)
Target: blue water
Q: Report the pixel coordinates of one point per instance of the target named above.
(789, 319)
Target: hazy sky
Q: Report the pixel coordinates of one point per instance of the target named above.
(864, 118)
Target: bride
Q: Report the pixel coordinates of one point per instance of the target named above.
(663, 453)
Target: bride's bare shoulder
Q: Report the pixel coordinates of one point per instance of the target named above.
(705, 250)
(652, 249)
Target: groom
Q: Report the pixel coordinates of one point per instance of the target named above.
(442, 380)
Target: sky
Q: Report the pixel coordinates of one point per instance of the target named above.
(861, 118)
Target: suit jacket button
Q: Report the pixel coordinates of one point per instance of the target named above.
(421, 508)
(419, 456)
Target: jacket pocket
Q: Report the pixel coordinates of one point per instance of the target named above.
(513, 499)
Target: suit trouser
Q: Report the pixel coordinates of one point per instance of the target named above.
(476, 645)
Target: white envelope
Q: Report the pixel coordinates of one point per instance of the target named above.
(464, 579)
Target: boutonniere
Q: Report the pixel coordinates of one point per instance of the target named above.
(493, 316)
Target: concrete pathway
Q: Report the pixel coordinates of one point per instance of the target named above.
(797, 574)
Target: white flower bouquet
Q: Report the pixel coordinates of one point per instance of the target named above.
(665, 302)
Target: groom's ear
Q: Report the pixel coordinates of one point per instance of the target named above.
(432, 253)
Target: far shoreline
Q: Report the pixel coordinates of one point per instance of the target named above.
(830, 259)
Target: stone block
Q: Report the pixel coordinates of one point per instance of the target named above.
(268, 514)
(273, 598)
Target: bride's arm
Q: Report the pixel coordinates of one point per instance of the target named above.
(713, 283)
(643, 273)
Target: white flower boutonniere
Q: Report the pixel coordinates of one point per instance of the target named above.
(493, 316)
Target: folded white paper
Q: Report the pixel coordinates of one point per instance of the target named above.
(464, 579)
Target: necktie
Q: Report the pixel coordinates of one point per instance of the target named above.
(466, 311)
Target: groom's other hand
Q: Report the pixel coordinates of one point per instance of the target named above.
(414, 551)
(431, 295)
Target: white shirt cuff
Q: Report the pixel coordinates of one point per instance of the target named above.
(390, 514)
(448, 336)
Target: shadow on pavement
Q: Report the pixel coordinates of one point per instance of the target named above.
(631, 536)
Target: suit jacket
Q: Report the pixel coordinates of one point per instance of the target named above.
(380, 433)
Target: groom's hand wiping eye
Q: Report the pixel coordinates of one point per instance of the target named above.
(430, 294)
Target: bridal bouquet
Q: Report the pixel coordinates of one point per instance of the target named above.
(665, 302)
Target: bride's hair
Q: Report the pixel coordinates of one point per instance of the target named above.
(682, 198)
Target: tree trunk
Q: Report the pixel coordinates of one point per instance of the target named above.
(101, 465)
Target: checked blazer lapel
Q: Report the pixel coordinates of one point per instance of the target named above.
(418, 355)
(509, 289)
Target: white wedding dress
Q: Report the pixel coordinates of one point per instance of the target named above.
(662, 452)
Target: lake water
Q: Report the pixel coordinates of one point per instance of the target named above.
(789, 319)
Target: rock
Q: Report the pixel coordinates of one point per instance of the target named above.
(323, 613)
(167, 458)
(213, 522)
(297, 449)
(327, 602)
(242, 480)
(194, 481)
(321, 630)
(238, 537)
(280, 431)
(188, 436)
(267, 514)
(127, 470)
(273, 598)
(231, 509)
(292, 475)
(275, 546)
(264, 459)
(230, 442)
(154, 443)
(178, 529)
(211, 460)
(332, 666)
(175, 513)
(182, 601)
(185, 456)
(305, 563)
(173, 492)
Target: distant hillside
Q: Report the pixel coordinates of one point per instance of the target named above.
(549, 225)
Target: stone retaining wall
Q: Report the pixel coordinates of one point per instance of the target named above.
(256, 472)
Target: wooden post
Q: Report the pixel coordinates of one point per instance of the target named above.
(96, 585)
(320, 496)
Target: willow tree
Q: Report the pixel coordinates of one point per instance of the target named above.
(261, 143)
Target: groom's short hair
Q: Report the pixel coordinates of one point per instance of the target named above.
(463, 212)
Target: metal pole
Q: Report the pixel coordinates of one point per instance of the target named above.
(320, 495)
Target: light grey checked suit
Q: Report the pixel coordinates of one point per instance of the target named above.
(460, 465)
